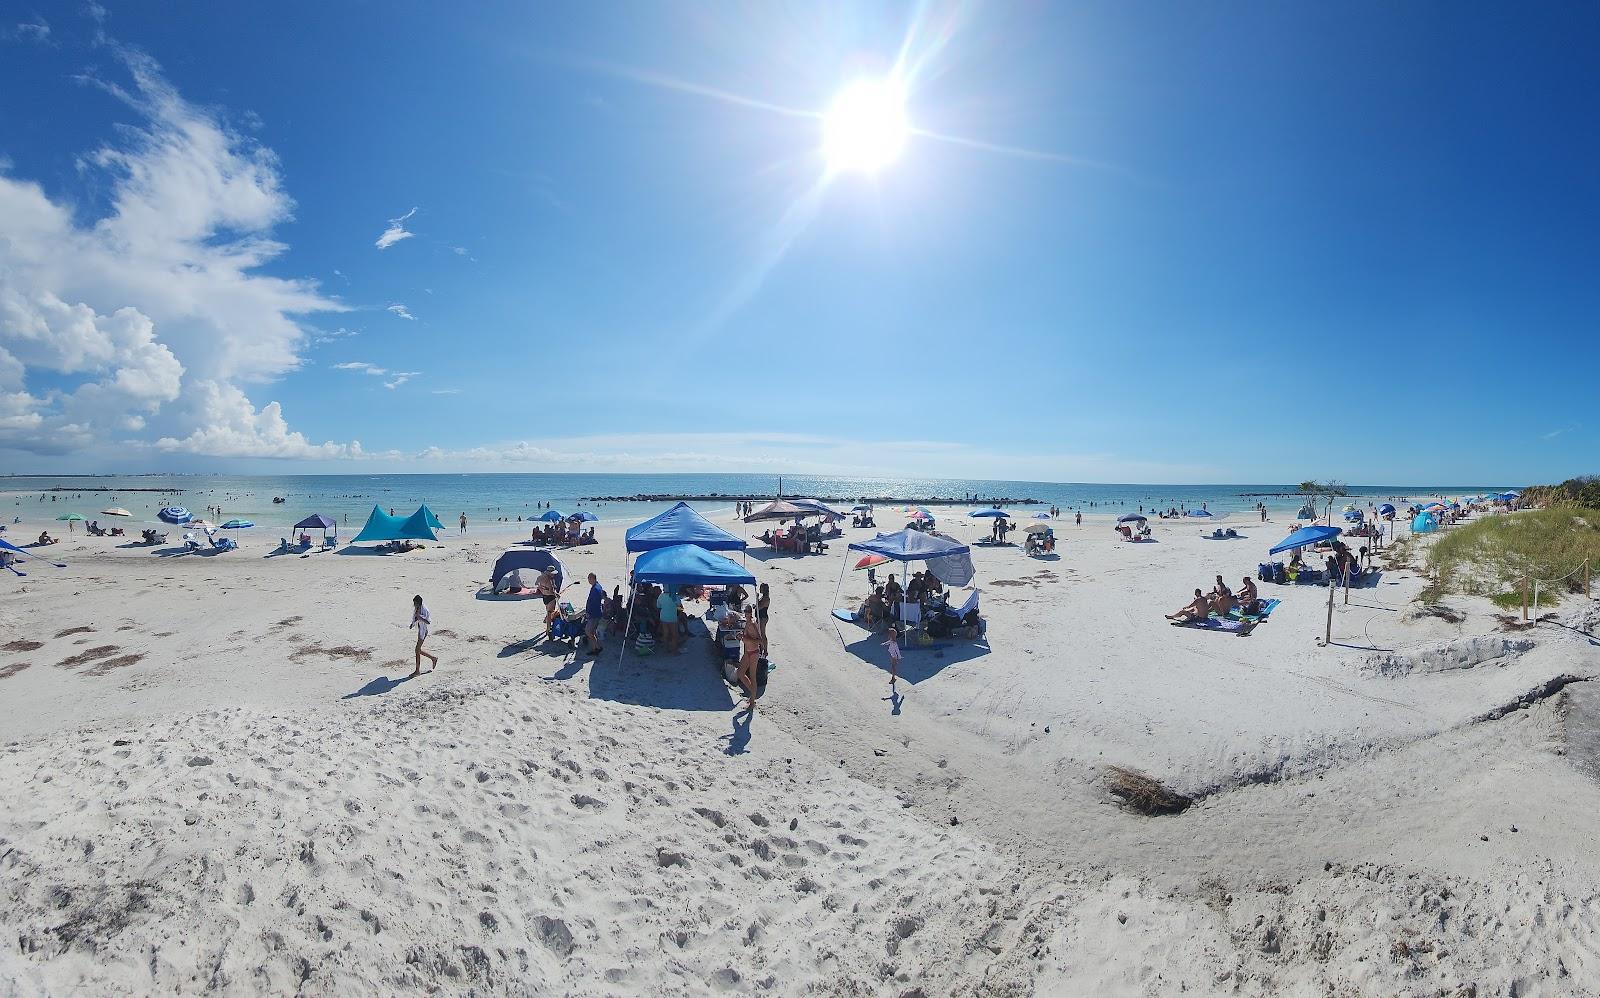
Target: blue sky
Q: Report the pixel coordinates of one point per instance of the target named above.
(1162, 243)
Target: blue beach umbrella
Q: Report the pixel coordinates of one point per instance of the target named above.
(237, 525)
(583, 515)
(174, 515)
(552, 516)
(1199, 512)
(1041, 516)
(1304, 537)
(1353, 515)
(1130, 518)
(986, 512)
(1386, 510)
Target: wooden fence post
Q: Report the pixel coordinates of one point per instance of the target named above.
(1327, 638)
(1525, 585)
(1586, 579)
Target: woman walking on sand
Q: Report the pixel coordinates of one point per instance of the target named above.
(422, 620)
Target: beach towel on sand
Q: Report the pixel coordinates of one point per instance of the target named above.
(1241, 628)
(1266, 608)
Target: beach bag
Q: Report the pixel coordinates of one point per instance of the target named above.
(1263, 572)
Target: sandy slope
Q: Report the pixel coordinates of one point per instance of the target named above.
(526, 821)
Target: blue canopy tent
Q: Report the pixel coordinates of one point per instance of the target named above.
(428, 517)
(6, 545)
(316, 521)
(175, 515)
(950, 561)
(1305, 537)
(675, 565)
(513, 559)
(381, 527)
(689, 565)
(680, 525)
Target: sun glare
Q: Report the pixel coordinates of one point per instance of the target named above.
(866, 127)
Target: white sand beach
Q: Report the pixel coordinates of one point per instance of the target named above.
(219, 779)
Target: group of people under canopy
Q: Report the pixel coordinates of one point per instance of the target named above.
(798, 537)
(1338, 563)
(923, 602)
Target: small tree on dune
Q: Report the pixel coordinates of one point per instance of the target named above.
(1329, 490)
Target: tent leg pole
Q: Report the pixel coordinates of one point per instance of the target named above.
(627, 628)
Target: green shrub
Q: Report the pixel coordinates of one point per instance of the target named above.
(1491, 556)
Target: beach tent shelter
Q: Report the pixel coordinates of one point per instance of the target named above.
(781, 509)
(991, 512)
(680, 525)
(381, 527)
(316, 521)
(818, 507)
(950, 561)
(428, 517)
(7, 546)
(1305, 537)
(535, 559)
(1425, 523)
(683, 565)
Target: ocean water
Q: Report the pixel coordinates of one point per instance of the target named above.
(491, 501)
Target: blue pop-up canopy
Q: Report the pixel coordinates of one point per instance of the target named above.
(681, 525)
(1305, 537)
(383, 527)
(1354, 516)
(535, 558)
(819, 506)
(1199, 512)
(911, 545)
(316, 521)
(689, 565)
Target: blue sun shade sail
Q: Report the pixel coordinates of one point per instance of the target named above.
(174, 515)
(1130, 518)
(533, 559)
(316, 521)
(911, 545)
(383, 527)
(681, 525)
(428, 517)
(1304, 537)
(689, 565)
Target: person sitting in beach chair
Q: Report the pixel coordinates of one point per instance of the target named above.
(1198, 609)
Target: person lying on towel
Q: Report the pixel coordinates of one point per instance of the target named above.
(1197, 610)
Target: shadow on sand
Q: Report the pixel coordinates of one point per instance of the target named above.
(917, 662)
(377, 687)
(690, 681)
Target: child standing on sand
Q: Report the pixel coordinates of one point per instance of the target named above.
(893, 644)
(421, 620)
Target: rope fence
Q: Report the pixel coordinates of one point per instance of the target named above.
(1535, 585)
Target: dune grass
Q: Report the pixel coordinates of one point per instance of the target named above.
(1491, 556)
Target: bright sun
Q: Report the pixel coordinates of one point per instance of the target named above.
(866, 127)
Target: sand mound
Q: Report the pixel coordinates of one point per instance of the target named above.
(1462, 653)
(483, 836)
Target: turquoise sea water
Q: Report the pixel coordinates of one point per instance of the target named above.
(486, 498)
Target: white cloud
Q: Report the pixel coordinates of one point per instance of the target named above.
(399, 309)
(229, 426)
(446, 391)
(37, 30)
(141, 318)
(459, 250)
(400, 378)
(396, 231)
(360, 365)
